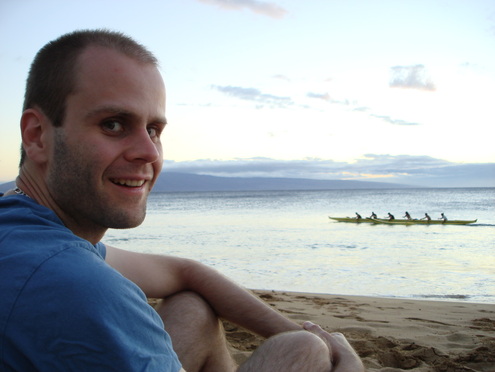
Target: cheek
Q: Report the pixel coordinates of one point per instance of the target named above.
(102, 153)
(92, 162)
(159, 163)
(158, 166)
(83, 155)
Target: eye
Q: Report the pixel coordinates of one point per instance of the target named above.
(113, 126)
(152, 132)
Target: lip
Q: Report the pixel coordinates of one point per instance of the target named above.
(132, 184)
(128, 182)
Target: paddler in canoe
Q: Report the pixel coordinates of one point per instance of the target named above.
(426, 217)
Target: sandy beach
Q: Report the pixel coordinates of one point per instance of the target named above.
(392, 334)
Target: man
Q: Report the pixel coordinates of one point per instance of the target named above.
(93, 116)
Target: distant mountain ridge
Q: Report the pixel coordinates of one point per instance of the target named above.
(7, 186)
(187, 182)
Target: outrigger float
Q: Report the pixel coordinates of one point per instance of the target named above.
(402, 221)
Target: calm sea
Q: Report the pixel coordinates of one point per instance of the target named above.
(284, 240)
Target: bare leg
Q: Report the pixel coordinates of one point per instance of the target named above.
(197, 335)
(290, 352)
(199, 341)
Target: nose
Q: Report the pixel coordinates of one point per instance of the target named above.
(142, 147)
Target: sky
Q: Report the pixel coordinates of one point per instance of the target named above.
(385, 90)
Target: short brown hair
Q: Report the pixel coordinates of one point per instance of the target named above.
(52, 75)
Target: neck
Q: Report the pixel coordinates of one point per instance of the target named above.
(92, 235)
(26, 183)
(18, 191)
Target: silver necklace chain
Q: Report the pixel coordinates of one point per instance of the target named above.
(18, 191)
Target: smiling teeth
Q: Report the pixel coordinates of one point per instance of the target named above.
(130, 183)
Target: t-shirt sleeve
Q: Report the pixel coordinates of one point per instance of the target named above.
(101, 249)
(76, 313)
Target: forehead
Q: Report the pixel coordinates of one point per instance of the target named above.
(107, 77)
(106, 59)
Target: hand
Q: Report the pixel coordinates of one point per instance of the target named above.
(342, 355)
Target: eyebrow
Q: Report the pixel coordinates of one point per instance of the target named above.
(118, 111)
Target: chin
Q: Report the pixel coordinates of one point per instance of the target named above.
(129, 224)
(125, 219)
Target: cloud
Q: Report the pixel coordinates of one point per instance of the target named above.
(413, 77)
(263, 100)
(388, 119)
(323, 96)
(260, 7)
(326, 97)
(281, 77)
(253, 94)
(258, 167)
(405, 169)
(398, 164)
(361, 109)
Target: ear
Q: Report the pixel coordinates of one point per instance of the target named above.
(35, 128)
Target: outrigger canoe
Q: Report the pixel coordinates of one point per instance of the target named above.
(354, 219)
(402, 221)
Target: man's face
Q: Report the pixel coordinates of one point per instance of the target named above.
(107, 154)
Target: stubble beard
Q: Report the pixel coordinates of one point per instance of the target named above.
(73, 185)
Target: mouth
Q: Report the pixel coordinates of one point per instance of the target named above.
(128, 183)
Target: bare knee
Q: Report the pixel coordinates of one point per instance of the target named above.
(309, 348)
(196, 332)
(184, 298)
(291, 352)
(187, 308)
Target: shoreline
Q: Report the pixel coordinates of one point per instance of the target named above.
(458, 299)
(391, 334)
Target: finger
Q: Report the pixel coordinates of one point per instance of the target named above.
(343, 356)
(323, 335)
(310, 326)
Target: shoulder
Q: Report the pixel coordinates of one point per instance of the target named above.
(60, 298)
(76, 270)
(24, 223)
(87, 314)
(17, 209)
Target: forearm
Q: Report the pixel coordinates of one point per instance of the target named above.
(162, 276)
(234, 303)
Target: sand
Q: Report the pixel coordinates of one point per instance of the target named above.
(392, 334)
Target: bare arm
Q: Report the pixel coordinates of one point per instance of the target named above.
(162, 276)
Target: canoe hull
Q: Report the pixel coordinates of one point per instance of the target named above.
(401, 221)
(425, 222)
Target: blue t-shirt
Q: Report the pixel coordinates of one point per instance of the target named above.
(62, 308)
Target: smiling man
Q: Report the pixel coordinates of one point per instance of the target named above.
(93, 117)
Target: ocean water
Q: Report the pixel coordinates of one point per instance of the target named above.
(284, 240)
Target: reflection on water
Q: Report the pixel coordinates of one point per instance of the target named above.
(284, 240)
